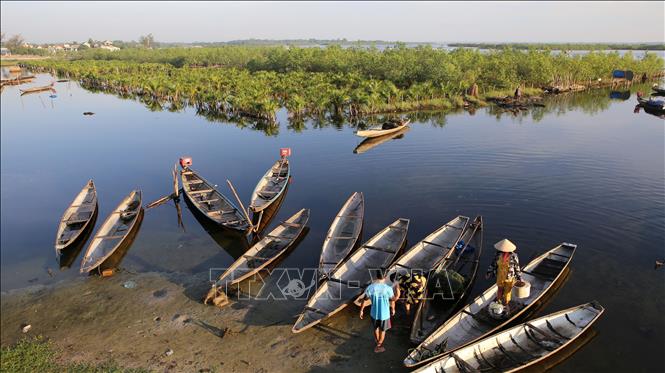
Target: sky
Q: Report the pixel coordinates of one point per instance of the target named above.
(44, 22)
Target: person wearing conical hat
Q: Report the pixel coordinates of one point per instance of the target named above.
(506, 267)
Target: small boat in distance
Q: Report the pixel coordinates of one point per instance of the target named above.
(271, 185)
(37, 89)
(654, 106)
(372, 142)
(115, 234)
(388, 127)
(210, 202)
(343, 234)
(78, 218)
(520, 346)
(658, 91)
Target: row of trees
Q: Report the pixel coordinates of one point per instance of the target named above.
(256, 81)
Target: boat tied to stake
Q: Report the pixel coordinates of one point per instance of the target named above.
(266, 251)
(475, 321)
(271, 186)
(78, 218)
(209, 201)
(116, 232)
(386, 128)
(520, 346)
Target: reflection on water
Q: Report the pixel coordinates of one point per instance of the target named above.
(584, 169)
(372, 142)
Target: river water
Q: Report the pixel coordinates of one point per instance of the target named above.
(586, 169)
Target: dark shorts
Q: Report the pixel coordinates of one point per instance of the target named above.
(381, 324)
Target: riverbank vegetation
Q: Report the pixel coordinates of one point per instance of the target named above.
(39, 355)
(254, 82)
(565, 46)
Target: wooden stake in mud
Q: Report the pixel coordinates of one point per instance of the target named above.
(242, 207)
(176, 186)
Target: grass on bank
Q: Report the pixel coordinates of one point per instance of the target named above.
(39, 355)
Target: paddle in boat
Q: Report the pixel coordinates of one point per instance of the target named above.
(115, 235)
(266, 251)
(459, 273)
(351, 277)
(475, 321)
(343, 234)
(383, 129)
(520, 346)
(78, 218)
(209, 201)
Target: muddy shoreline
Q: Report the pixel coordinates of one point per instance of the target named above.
(95, 320)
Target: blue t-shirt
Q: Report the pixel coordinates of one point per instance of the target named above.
(380, 295)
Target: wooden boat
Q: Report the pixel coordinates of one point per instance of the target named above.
(37, 89)
(383, 129)
(78, 218)
(271, 185)
(210, 202)
(343, 234)
(430, 252)
(17, 80)
(474, 322)
(521, 346)
(344, 284)
(655, 106)
(114, 233)
(434, 310)
(267, 250)
(372, 142)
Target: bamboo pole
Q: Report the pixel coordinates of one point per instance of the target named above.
(175, 180)
(233, 190)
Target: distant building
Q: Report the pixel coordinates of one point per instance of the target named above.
(86, 44)
(108, 42)
(5, 52)
(111, 48)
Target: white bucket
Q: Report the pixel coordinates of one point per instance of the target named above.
(522, 289)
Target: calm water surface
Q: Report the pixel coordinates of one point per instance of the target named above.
(585, 170)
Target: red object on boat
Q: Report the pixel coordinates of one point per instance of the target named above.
(285, 152)
(185, 162)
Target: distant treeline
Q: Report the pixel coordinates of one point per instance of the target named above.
(565, 46)
(256, 81)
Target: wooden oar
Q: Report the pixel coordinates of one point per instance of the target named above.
(242, 207)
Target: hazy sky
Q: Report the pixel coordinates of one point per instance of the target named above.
(42, 22)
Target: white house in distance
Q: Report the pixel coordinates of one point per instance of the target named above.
(111, 48)
(5, 52)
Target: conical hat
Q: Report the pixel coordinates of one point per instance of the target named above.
(505, 245)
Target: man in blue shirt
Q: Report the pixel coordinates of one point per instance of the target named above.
(380, 294)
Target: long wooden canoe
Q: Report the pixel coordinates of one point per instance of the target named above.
(378, 130)
(115, 232)
(435, 309)
(521, 346)
(428, 253)
(353, 275)
(37, 89)
(372, 142)
(267, 250)
(474, 322)
(271, 185)
(210, 202)
(78, 218)
(343, 234)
